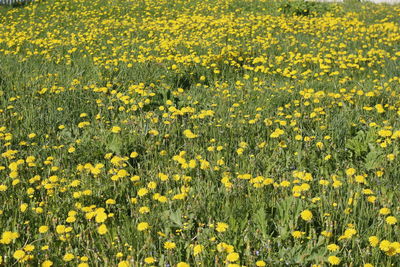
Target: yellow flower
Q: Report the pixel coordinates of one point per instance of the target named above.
(373, 240)
(189, 134)
(29, 248)
(169, 245)
(163, 176)
(149, 260)
(333, 260)
(278, 132)
(123, 264)
(391, 220)
(260, 263)
(182, 264)
(232, 257)
(348, 233)
(391, 157)
(298, 234)
(116, 129)
(221, 227)
(142, 192)
(144, 210)
(350, 171)
(221, 247)
(19, 254)
(23, 207)
(306, 215)
(102, 229)
(143, 226)
(379, 108)
(47, 263)
(385, 245)
(101, 217)
(333, 247)
(197, 249)
(385, 133)
(68, 257)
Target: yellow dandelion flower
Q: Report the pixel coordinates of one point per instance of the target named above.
(102, 229)
(197, 249)
(19, 254)
(182, 264)
(68, 257)
(306, 215)
(143, 226)
(116, 129)
(333, 247)
(189, 134)
(333, 260)
(221, 227)
(149, 260)
(123, 264)
(47, 263)
(169, 245)
(391, 220)
(232, 257)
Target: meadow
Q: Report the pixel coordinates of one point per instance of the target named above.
(199, 133)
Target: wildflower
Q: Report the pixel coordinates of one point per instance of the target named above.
(333, 260)
(384, 245)
(29, 248)
(169, 245)
(350, 171)
(197, 249)
(142, 192)
(333, 247)
(123, 264)
(47, 263)
(143, 226)
(68, 257)
(232, 257)
(373, 240)
(19, 254)
(384, 211)
(182, 264)
(298, 234)
(278, 132)
(7, 237)
(102, 229)
(385, 133)
(189, 134)
(391, 220)
(149, 260)
(116, 129)
(221, 227)
(101, 216)
(306, 215)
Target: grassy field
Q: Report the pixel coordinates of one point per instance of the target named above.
(199, 132)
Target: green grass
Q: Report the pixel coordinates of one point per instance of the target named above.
(232, 72)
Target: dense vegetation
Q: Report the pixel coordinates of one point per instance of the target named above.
(199, 132)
